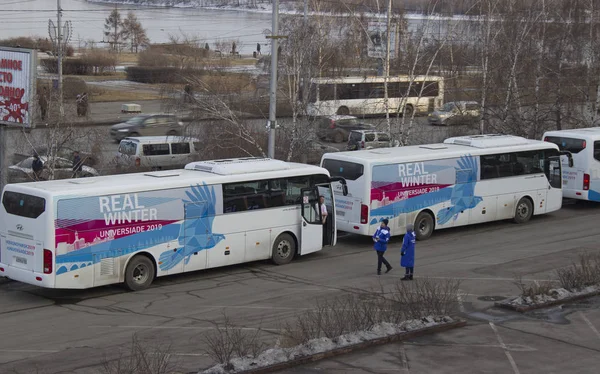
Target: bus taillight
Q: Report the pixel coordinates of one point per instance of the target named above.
(364, 213)
(546, 139)
(47, 261)
(586, 182)
(332, 125)
(137, 161)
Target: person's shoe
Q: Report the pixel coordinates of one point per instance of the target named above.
(406, 277)
(388, 269)
(378, 272)
(411, 277)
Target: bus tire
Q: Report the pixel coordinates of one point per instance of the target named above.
(524, 210)
(343, 111)
(424, 226)
(408, 110)
(139, 273)
(284, 249)
(338, 137)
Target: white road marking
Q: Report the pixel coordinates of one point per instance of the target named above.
(506, 351)
(590, 325)
(28, 351)
(510, 347)
(404, 359)
(174, 327)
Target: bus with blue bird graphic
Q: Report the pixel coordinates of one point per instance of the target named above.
(132, 228)
(462, 181)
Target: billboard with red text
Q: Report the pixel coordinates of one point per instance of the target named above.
(17, 85)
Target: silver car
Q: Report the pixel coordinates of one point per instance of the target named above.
(456, 113)
(147, 125)
(63, 169)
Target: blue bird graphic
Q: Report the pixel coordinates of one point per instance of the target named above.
(196, 231)
(462, 197)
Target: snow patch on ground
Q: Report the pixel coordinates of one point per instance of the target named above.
(555, 294)
(315, 346)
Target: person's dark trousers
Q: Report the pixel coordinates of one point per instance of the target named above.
(381, 260)
(409, 273)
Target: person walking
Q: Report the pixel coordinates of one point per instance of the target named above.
(407, 252)
(43, 102)
(322, 208)
(77, 165)
(258, 49)
(381, 239)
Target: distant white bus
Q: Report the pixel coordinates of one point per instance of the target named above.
(131, 228)
(582, 180)
(365, 95)
(465, 180)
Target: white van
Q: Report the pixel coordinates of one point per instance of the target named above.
(582, 181)
(156, 152)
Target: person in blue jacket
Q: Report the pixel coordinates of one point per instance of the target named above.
(381, 239)
(408, 252)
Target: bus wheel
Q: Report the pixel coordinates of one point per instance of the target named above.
(343, 111)
(524, 210)
(424, 226)
(408, 110)
(139, 273)
(338, 137)
(284, 249)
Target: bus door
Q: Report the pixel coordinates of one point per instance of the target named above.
(330, 229)
(311, 237)
(195, 239)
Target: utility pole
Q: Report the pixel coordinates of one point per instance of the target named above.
(387, 68)
(273, 94)
(60, 58)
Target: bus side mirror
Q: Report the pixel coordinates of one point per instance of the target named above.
(345, 189)
(343, 182)
(569, 157)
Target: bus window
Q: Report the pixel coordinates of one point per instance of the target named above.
(597, 151)
(567, 144)
(347, 170)
(23, 205)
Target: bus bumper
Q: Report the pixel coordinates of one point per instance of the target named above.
(26, 276)
(354, 228)
(575, 194)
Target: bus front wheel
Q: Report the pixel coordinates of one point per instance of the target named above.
(343, 111)
(424, 226)
(524, 210)
(284, 249)
(408, 110)
(139, 273)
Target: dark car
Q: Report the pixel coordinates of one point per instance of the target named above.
(147, 125)
(368, 139)
(338, 127)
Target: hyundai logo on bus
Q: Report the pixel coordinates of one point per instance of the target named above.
(20, 227)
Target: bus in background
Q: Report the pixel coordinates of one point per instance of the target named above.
(131, 228)
(465, 180)
(582, 180)
(365, 95)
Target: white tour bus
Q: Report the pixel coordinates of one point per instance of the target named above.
(465, 180)
(582, 180)
(131, 228)
(365, 95)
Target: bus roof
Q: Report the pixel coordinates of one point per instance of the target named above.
(590, 133)
(209, 172)
(394, 78)
(452, 147)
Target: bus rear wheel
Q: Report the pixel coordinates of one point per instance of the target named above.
(524, 210)
(284, 249)
(139, 273)
(424, 226)
(408, 110)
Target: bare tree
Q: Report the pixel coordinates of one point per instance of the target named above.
(113, 30)
(134, 32)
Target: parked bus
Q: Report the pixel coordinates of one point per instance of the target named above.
(582, 181)
(365, 95)
(131, 228)
(465, 180)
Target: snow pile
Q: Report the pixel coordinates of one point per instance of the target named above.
(555, 294)
(320, 345)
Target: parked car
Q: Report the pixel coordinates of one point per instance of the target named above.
(63, 169)
(368, 139)
(147, 125)
(338, 127)
(156, 152)
(457, 112)
(63, 152)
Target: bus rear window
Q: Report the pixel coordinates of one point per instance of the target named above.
(347, 170)
(22, 205)
(567, 144)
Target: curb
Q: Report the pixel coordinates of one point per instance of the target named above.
(523, 309)
(341, 351)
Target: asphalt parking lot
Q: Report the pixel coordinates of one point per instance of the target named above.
(49, 331)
